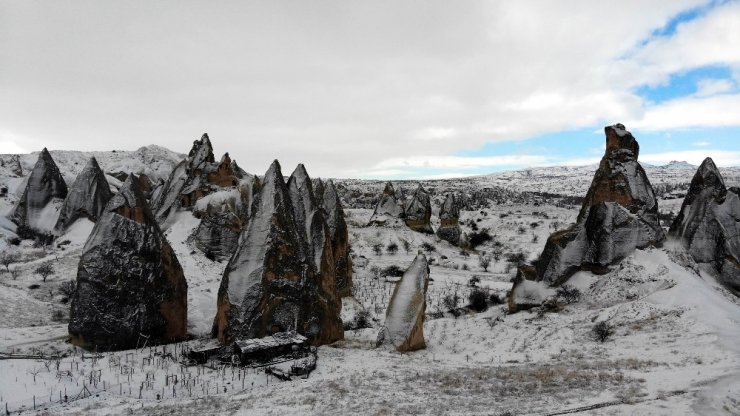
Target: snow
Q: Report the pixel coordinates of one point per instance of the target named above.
(675, 349)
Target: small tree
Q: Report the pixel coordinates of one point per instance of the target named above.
(478, 301)
(392, 248)
(602, 331)
(496, 255)
(568, 294)
(451, 301)
(68, 288)
(406, 246)
(428, 247)
(45, 270)
(484, 261)
(6, 259)
(378, 249)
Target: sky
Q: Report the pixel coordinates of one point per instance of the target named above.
(383, 89)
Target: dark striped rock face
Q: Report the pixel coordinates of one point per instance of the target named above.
(130, 286)
(281, 277)
(38, 207)
(708, 225)
(619, 215)
(390, 208)
(339, 235)
(418, 212)
(449, 217)
(86, 198)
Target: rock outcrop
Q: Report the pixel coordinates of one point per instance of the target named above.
(86, 198)
(404, 320)
(193, 178)
(131, 288)
(388, 210)
(418, 213)
(449, 217)
(339, 234)
(619, 214)
(277, 279)
(223, 216)
(708, 225)
(38, 208)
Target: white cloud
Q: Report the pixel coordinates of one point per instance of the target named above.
(707, 87)
(717, 111)
(701, 143)
(353, 87)
(7, 147)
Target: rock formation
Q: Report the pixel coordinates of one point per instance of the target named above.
(388, 210)
(708, 225)
(449, 217)
(404, 319)
(223, 216)
(278, 279)
(619, 214)
(419, 212)
(130, 286)
(194, 178)
(37, 209)
(339, 239)
(87, 197)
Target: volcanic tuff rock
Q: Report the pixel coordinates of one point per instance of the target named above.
(404, 319)
(37, 209)
(339, 234)
(194, 178)
(272, 283)
(419, 212)
(389, 209)
(619, 214)
(129, 281)
(87, 197)
(708, 225)
(449, 216)
(223, 216)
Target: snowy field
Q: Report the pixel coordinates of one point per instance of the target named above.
(675, 349)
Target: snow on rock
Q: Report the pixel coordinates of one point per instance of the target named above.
(87, 197)
(224, 215)
(418, 212)
(449, 217)
(38, 207)
(404, 321)
(271, 283)
(194, 178)
(339, 234)
(130, 285)
(389, 209)
(708, 225)
(619, 214)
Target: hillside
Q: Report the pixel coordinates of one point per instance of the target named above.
(675, 347)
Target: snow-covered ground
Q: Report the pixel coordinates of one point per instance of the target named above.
(675, 349)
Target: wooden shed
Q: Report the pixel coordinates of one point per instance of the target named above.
(271, 347)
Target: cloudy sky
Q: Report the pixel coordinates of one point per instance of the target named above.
(374, 89)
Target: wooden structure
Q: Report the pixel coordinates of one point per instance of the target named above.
(268, 348)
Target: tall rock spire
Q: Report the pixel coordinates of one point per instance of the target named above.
(37, 209)
(619, 214)
(271, 284)
(130, 286)
(87, 197)
(708, 225)
(339, 239)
